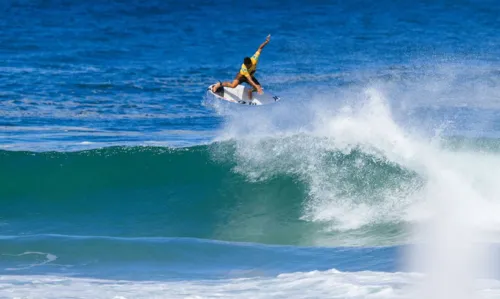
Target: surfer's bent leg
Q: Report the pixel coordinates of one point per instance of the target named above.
(237, 81)
(231, 84)
(250, 91)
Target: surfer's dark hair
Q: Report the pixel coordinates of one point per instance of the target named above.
(247, 61)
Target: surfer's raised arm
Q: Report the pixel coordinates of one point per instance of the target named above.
(268, 38)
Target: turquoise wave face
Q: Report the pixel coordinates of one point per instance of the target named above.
(198, 192)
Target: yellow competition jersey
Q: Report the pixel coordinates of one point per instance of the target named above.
(250, 71)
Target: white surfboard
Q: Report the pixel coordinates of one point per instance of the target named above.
(239, 95)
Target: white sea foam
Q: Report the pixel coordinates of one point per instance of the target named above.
(451, 207)
(315, 284)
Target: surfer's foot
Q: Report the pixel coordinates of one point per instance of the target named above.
(216, 86)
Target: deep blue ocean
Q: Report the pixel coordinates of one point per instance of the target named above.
(376, 175)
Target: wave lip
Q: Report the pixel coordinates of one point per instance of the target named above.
(353, 177)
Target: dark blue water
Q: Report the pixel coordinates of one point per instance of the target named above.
(310, 192)
(124, 72)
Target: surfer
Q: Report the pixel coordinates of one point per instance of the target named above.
(246, 73)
